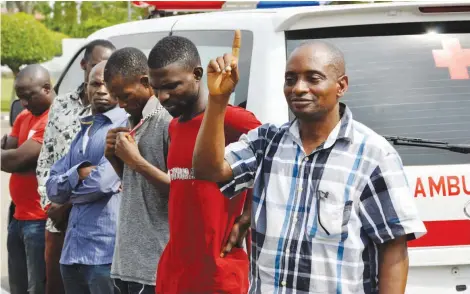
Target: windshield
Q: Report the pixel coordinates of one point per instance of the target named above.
(408, 80)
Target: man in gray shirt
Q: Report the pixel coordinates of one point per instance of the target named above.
(138, 154)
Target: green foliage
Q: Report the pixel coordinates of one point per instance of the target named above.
(57, 40)
(42, 7)
(7, 90)
(94, 15)
(25, 41)
(70, 12)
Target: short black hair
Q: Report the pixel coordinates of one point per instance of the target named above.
(173, 49)
(93, 44)
(128, 62)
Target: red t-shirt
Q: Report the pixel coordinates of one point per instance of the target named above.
(201, 218)
(24, 186)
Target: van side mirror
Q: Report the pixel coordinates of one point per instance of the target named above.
(15, 109)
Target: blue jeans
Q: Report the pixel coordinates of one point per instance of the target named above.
(87, 279)
(26, 265)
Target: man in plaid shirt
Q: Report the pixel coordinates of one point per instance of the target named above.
(332, 209)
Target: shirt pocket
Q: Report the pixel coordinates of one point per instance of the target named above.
(329, 218)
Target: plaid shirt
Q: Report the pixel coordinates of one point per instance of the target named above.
(317, 219)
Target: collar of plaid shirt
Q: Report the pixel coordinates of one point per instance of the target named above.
(343, 130)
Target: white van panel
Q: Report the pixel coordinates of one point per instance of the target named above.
(327, 16)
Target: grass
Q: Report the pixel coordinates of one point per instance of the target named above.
(7, 87)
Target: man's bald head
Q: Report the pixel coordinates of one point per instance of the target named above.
(33, 74)
(332, 55)
(97, 92)
(34, 88)
(98, 70)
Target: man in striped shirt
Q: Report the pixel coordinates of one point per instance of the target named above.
(85, 178)
(332, 210)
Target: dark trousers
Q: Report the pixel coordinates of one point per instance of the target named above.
(124, 287)
(11, 212)
(54, 244)
(87, 279)
(26, 265)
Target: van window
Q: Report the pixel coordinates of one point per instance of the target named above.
(408, 80)
(212, 44)
(73, 78)
(143, 41)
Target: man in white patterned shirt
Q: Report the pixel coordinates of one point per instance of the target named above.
(332, 210)
(62, 127)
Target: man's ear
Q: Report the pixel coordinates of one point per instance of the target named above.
(83, 64)
(198, 73)
(47, 88)
(144, 80)
(342, 86)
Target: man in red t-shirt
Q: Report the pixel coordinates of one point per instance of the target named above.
(20, 151)
(200, 220)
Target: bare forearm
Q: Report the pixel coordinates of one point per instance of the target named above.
(208, 156)
(393, 267)
(155, 176)
(12, 162)
(117, 165)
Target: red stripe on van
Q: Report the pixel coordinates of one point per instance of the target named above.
(444, 233)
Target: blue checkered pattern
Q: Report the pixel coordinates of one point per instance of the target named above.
(318, 219)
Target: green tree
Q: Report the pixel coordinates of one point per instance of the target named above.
(25, 41)
(87, 10)
(70, 12)
(57, 41)
(20, 6)
(94, 15)
(43, 8)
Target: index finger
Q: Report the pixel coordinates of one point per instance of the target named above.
(237, 41)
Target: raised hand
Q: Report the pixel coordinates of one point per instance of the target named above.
(222, 72)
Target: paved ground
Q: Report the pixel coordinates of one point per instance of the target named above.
(4, 205)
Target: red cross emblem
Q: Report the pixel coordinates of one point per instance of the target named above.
(454, 58)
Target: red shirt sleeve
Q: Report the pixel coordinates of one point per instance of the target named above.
(238, 121)
(15, 130)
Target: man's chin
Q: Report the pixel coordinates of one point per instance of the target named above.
(102, 109)
(173, 112)
(36, 113)
(310, 115)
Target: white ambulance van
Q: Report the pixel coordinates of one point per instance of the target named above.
(408, 65)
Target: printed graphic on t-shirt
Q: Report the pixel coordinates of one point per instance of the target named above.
(181, 173)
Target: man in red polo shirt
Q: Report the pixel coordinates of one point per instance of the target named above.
(200, 219)
(19, 155)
